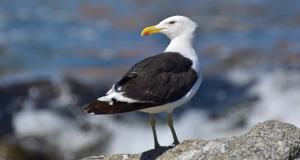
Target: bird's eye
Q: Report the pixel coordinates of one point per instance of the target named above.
(172, 22)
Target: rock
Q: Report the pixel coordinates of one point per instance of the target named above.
(14, 151)
(268, 140)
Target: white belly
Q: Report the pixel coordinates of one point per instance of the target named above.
(169, 107)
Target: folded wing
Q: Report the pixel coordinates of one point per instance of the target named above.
(154, 81)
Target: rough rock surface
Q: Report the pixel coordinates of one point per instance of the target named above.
(271, 140)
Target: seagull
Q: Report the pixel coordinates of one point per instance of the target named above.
(159, 83)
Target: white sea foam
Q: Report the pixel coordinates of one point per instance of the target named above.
(279, 93)
(60, 132)
(30, 122)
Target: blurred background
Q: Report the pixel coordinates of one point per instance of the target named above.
(57, 55)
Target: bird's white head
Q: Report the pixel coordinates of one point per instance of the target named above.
(172, 27)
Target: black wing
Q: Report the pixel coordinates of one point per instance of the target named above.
(159, 79)
(154, 81)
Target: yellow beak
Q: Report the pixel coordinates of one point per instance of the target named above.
(150, 30)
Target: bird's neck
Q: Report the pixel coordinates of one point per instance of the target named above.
(184, 46)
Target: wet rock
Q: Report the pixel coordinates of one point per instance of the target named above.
(15, 151)
(13, 96)
(267, 140)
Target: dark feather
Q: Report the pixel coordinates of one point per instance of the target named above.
(160, 79)
(154, 81)
(100, 107)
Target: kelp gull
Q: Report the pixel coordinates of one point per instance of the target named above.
(159, 83)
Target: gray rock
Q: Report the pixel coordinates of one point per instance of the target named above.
(271, 140)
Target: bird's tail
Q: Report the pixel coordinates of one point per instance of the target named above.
(103, 107)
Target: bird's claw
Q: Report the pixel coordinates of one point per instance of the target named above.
(175, 143)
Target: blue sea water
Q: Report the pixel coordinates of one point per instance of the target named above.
(54, 35)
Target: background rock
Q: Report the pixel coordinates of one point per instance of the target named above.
(268, 140)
